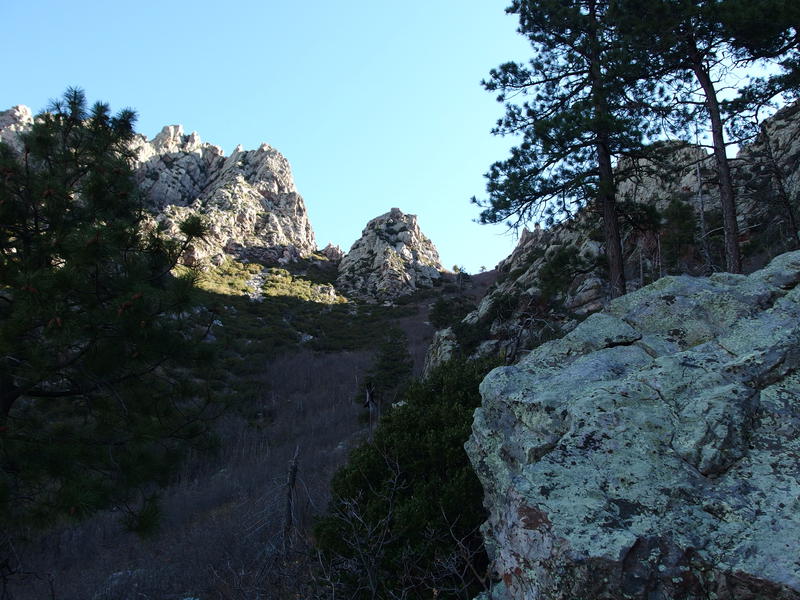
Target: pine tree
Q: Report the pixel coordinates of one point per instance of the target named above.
(580, 102)
(391, 372)
(91, 412)
(405, 510)
(762, 32)
(686, 38)
(763, 29)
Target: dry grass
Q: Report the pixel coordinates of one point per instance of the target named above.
(223, 518)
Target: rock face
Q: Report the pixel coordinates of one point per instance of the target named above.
(392, 258)
(14, 121)
(332, 253)
(248, 199)
(442, 348)
(653, 451)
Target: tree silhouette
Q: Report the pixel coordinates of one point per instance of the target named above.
(93, 412)
(581, 101)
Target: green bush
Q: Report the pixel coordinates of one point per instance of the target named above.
(229, 278)
(678, 236)
(559, 271)
(390, 374)
(446, 312)
(470, 335)
(400, 502)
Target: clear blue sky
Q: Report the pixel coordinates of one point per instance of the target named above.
(375, 103)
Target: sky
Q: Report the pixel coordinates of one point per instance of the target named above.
(375, 103)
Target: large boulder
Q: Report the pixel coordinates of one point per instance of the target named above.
(392, 258)
(654, 451)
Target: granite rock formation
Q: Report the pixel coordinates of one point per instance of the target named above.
(392, 258)
(442, 348)
(653, 451)
(248, 199)
(14, 121)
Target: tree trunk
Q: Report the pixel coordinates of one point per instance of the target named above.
(733, 258)
(288, 521)
(606, 188)
(616, 266)
(703, 229)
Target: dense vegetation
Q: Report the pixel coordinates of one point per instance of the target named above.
(406, 508)
(95, 409)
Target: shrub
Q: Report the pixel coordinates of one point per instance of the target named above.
(446, 312)
(406, 509)
(678, 236)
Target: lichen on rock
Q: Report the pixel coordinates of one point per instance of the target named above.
(652, 452)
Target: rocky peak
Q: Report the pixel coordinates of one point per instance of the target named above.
(652, 451)
(248, 199)
(332, 252)
(13, 122)
(392, 258)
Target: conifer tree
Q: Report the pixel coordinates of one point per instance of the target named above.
(762, 32)
(765, 29)
(581, 102)
(91, 413)
(682, 38)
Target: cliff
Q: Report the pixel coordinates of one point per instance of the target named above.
(671, 223)
(248, 198)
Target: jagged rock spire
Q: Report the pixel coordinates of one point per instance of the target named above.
(392, 258)
(248, 198)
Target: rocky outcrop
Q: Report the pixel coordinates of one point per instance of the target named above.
(441, 349)
(653, 451)
(557, 276)
(14, 121)
(332, 253)
(392, 258)
(248, 199)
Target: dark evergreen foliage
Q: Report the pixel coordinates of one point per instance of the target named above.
(766, 29)
(403, 504)
(692, 45)
(94, 412)
(584, 99)
(391, 371)
(678, 236)
(449, 311)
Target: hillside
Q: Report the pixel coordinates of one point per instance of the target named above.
(289, 335)
(316, 360)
